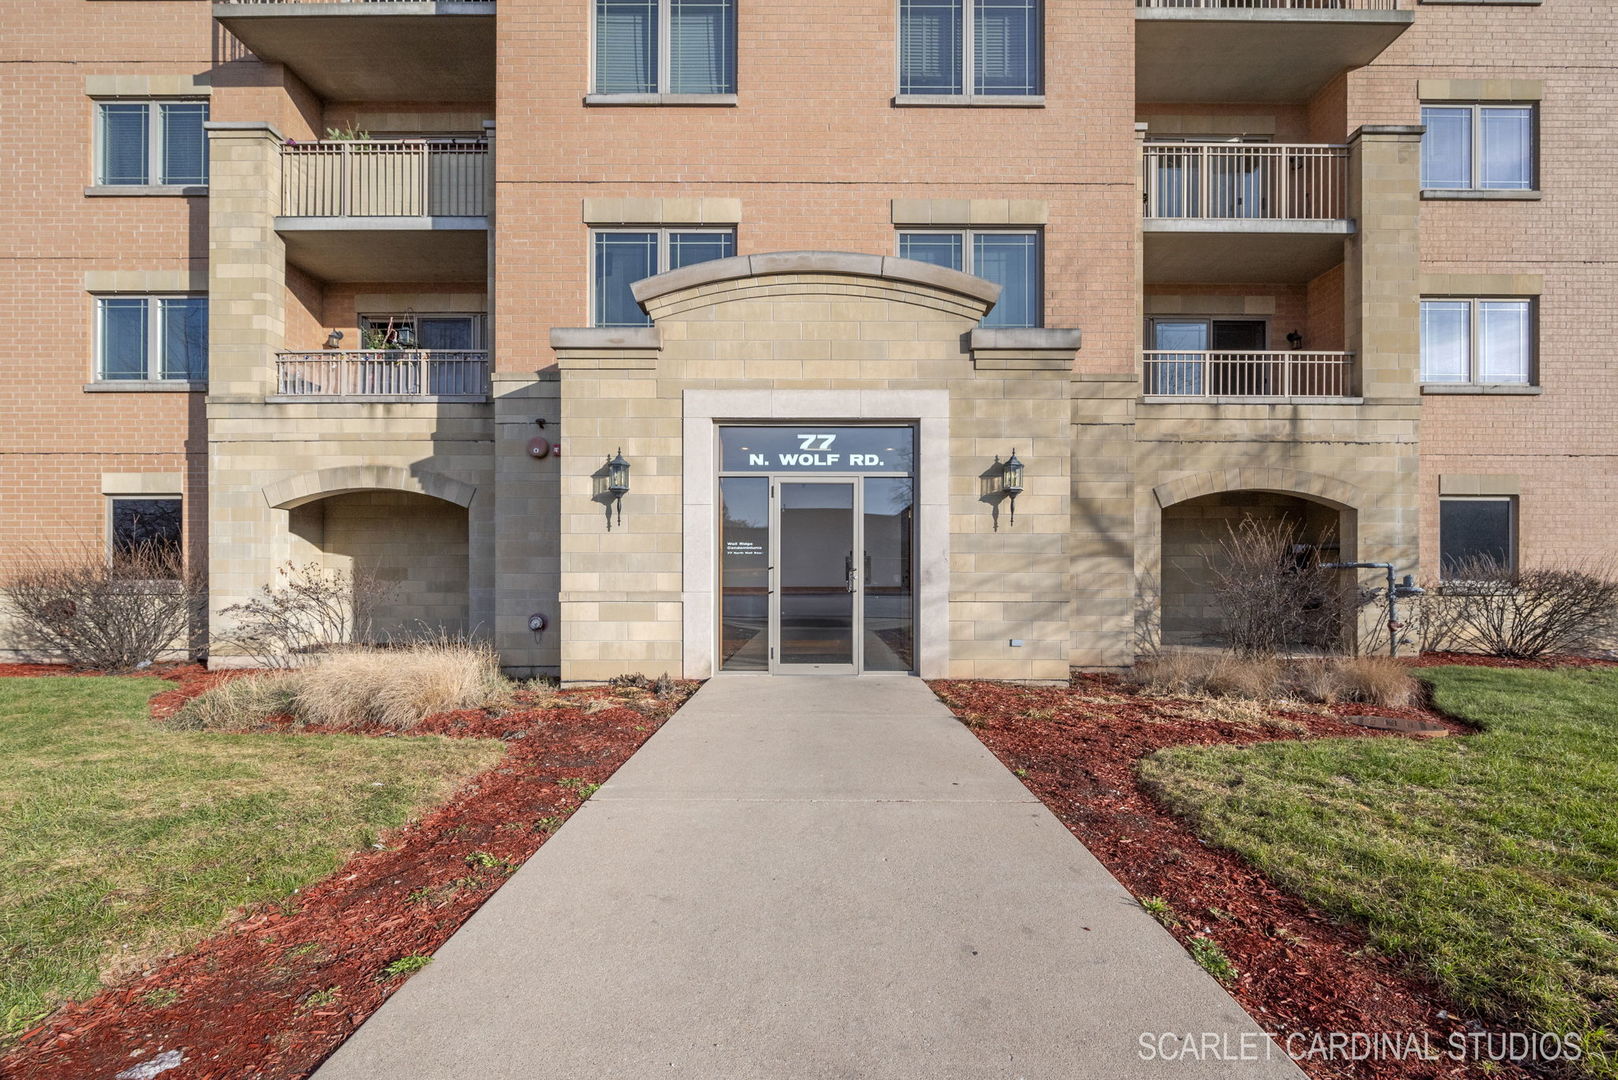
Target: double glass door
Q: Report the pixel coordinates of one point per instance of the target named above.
(816, 574)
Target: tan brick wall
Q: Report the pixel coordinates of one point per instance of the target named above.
(1562, 444)
(56, 440)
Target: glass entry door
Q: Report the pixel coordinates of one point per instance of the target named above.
(817, 533)
(817, 576)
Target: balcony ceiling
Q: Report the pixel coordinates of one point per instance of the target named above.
(412, 50)
(1269, 55)
(387, 254)
(1185, 252)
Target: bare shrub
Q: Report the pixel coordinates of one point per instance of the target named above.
(1271, 590)
(308, 609)
(396, 688)
(1374, 680)
(1530, 613)
(101, 613)
(1429, 622)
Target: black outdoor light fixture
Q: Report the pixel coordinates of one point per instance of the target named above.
(618, 481)
(334, 340)
(1295, 340)
(1011, 481)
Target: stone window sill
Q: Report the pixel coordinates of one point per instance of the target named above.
(970, 101)
(146, 386)
(711, 100)
(1480, 195)
(147, 190)
(1508, 389)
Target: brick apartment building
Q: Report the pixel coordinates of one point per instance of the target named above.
(395, 283)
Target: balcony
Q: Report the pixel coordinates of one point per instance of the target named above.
(1247, 375)
(382, 375)
(1257, 50)
(373, 50)
(1244, 211)
(372, 211)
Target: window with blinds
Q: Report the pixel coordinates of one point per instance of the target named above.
(621, 257)
(1011, 259)
(665, 47)
(146, 143)
(970, 48)
(151, 338)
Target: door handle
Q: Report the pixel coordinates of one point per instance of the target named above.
(849, 571)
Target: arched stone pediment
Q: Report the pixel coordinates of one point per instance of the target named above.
(323, 483)
(1323, 489)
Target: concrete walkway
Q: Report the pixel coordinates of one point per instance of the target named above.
(804, 878)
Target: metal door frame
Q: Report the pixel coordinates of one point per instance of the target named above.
(856, 571)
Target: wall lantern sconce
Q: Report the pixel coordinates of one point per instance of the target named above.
(1011, 482)
(618, 481)
(1295, 341)
(334, 340)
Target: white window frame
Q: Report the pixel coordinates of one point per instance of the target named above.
(665, 53)
(154, 339)
(662, 267)
(1473, 339)
(968, 255)
(154, 141)
(1513, 509)
(968, 94)
(1475, 139)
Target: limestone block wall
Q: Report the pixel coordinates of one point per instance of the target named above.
(269, 461)
(413, 546)
(842, 330)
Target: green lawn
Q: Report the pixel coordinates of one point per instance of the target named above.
(1489, 861)
(120, 839)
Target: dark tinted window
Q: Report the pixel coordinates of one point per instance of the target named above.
(1471, 529)
(146, 526)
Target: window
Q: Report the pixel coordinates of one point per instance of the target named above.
(665, 47)
(970, 48)
(1473, 529)
(1477, 341)
(446, 333)
(147, 528)
(143, 143)
(151, 337)
(625, 256)
(1009, 259)
(1478, 147)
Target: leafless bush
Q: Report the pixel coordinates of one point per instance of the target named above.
(101, 613)
(393, 687)
(308, 609)
(1270, 589)
(1534, 612)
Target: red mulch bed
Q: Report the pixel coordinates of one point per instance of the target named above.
(255, 1001)
(1299, 970)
